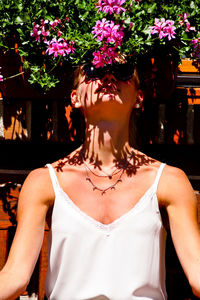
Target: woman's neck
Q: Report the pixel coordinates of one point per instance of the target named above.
(106, 143)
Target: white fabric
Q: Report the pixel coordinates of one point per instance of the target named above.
(124, 260)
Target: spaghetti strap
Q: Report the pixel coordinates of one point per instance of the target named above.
(53, 177)
(159, 173)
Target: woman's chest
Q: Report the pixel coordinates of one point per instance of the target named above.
(110, 204)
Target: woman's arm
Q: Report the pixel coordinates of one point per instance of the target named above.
(178, 196)
(34, 200)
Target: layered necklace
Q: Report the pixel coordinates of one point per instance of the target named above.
(118, 170)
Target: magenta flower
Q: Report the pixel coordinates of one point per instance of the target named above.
(1, 76)
(111, 6)
(106, 55)
(159, 27)
(44, 22)
(59, 33)
(54, 23)
(170, 30)
(164, 28)
(183, 18)
(188, 27)
(196, 44)
(44, 33)
(60, 47)
(40, 31)
(69, 47)
(100, 29)
(108, 31)
(36, 33)
(99, 59)
(184, 21)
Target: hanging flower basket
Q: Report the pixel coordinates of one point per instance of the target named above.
(54, 35)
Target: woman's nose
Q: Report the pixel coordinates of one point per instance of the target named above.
(109, 77)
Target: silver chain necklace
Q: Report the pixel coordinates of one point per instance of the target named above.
(112, 186)
(110, 175)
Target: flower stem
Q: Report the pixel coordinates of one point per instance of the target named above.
(55, 65)
(13, 76)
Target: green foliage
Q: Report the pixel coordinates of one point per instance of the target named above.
(18, 16)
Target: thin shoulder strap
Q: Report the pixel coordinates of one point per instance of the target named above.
(158, 175)
(53, 177)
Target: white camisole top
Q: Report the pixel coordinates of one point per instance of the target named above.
(124, 260)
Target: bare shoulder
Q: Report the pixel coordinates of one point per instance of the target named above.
(38, 186)
(146, 163)
(175, 187)
(71, 161)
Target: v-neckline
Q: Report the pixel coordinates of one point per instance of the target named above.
(116, 222)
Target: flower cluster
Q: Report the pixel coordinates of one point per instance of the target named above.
(108, 32)
(164, 28)
(184, 21)
(56, 45)
(111, 6)
(98, 31)
(106, 55)
(196, 44)
(60, 47)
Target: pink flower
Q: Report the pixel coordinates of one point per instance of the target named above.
(106, 55)
(44, 33)
(1, 76)
(111, 6)
(43, 22)
(55, 47)
(159, 27)
(100, 29)
(60, 47)
(59, 33)
(170, 29)
(99, 59)
(54, 23)
(184, 20)
(196, 44)
(108, 31)
(36, 33)
(69, 47)
(164, 28)
(188, 27)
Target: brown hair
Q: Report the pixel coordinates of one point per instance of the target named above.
(76, 77)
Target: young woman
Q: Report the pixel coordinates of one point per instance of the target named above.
(107, 238)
